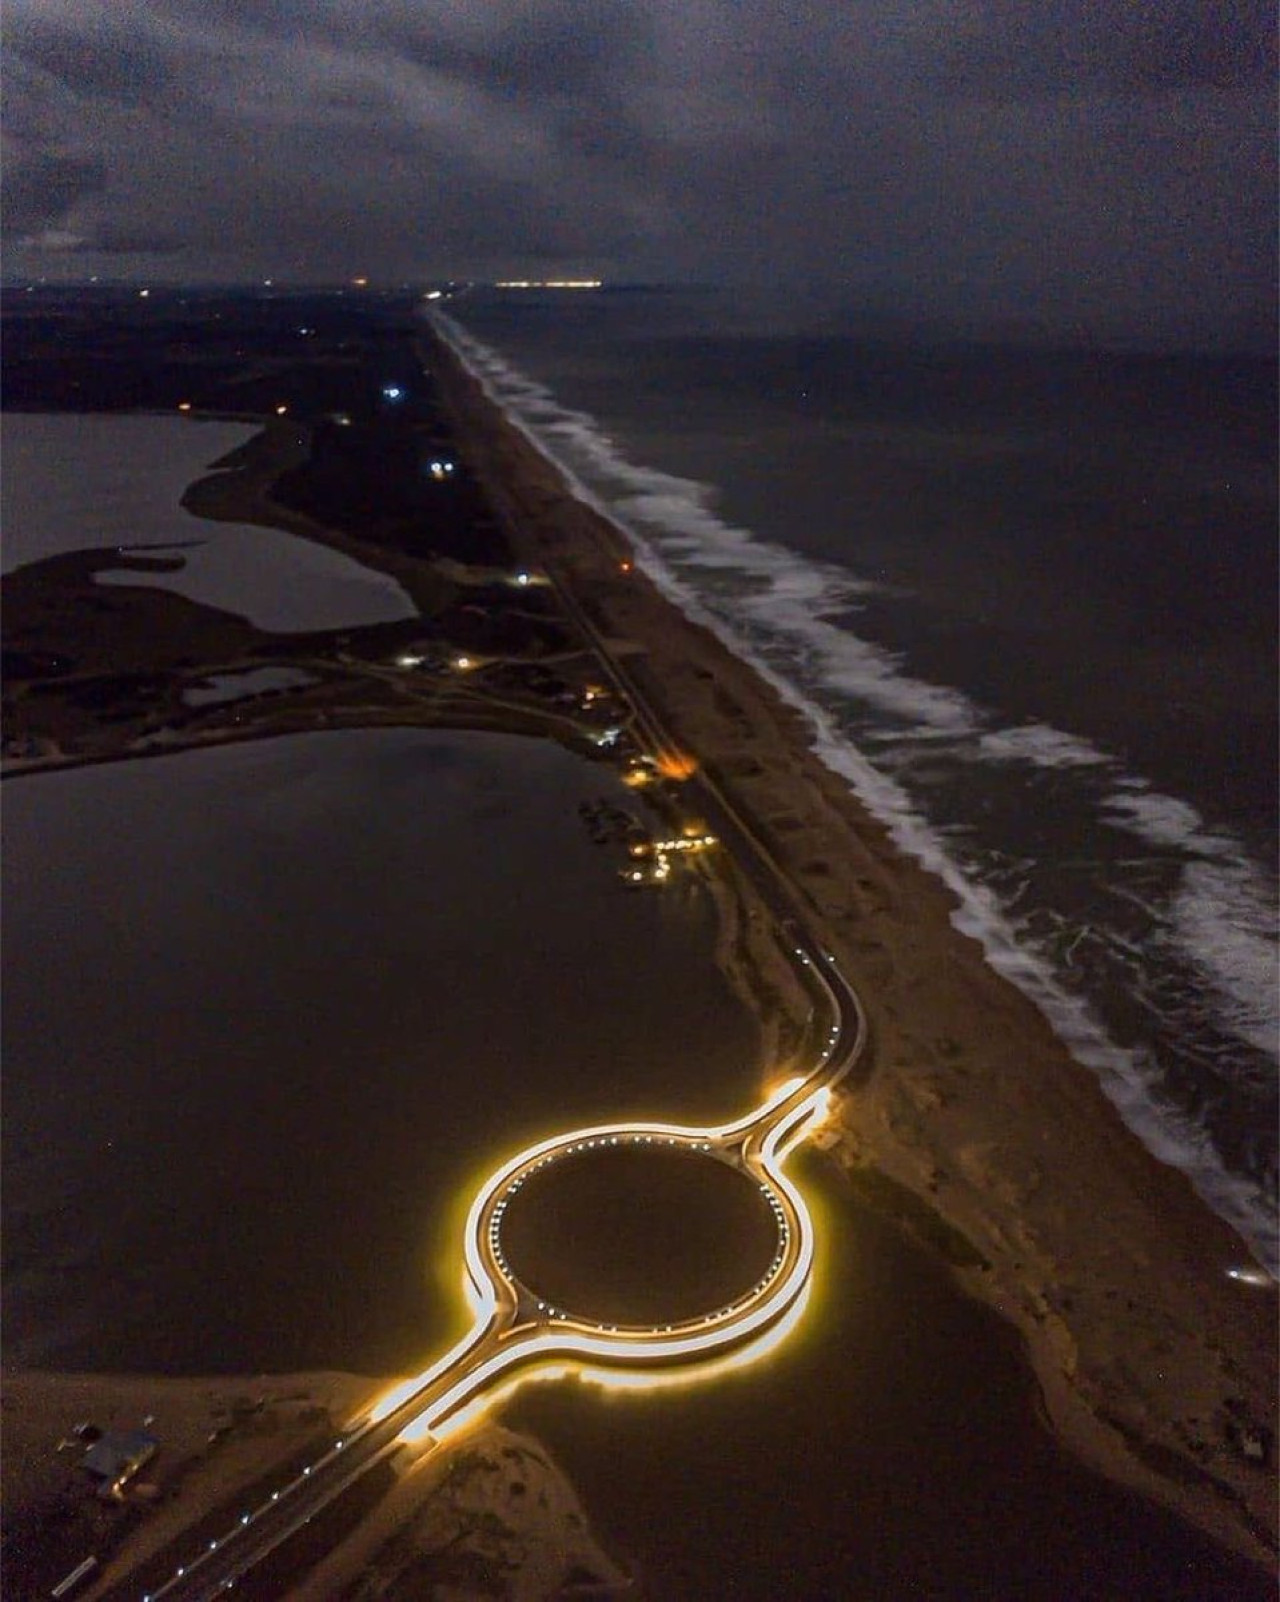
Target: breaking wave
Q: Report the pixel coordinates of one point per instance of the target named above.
(1184, 925)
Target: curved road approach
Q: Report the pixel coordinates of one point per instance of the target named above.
(514, 1330)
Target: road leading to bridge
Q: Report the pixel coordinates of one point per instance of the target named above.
(514, 1329)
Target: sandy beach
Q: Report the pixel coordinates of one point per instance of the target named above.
(973, 1122)
(493, 1508)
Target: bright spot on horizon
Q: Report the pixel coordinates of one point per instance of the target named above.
(549, 283)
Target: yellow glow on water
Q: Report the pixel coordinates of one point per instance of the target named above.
(508, 1345)
(423, 1430)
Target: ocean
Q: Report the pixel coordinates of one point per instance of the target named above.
(1027, 600)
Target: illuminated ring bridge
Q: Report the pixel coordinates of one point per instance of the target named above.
(768, 1298)
(515, 1335)
(696, 1143)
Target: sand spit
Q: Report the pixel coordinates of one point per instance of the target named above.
(215, 1437)
(490, 1515)
(487, 1514)
(973, 1123)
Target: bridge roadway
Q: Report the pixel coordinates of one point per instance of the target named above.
(512, 1327)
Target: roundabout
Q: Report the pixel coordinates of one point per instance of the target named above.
(630, 1254)
(638, 1231)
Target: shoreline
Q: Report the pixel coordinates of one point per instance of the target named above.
(964, 1074)
(1155, 1367)
(220, 1436)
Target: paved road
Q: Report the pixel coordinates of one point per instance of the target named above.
(512, 1327)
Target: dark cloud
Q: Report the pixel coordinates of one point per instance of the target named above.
(1106, 162)
(554, 50)
(91, 58)
(1011, 50)
(40, 188)
(105, 242)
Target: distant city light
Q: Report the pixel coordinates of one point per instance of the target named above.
(184, 406)
(462, 663)
(434, 294)
(549, 283)
(281, 410)
(143, 293)
(360, 283)
(392, 392)
(439, 469)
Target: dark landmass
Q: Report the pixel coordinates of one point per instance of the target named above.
(972, 1127)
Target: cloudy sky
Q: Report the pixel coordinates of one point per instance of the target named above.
(1105, 161)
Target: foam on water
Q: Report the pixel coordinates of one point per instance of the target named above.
(1198, 898)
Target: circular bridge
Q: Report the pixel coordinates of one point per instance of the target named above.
(642, 1232)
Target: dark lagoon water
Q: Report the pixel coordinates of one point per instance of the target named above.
(74, 483)
(890, 1451)
(1028, 602)
(272, 1010)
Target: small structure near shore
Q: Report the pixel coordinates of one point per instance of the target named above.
(115, 1457)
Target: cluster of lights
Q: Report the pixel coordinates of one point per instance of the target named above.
(550, 283)
(639, 772)
(440, 469)
(660, 851)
